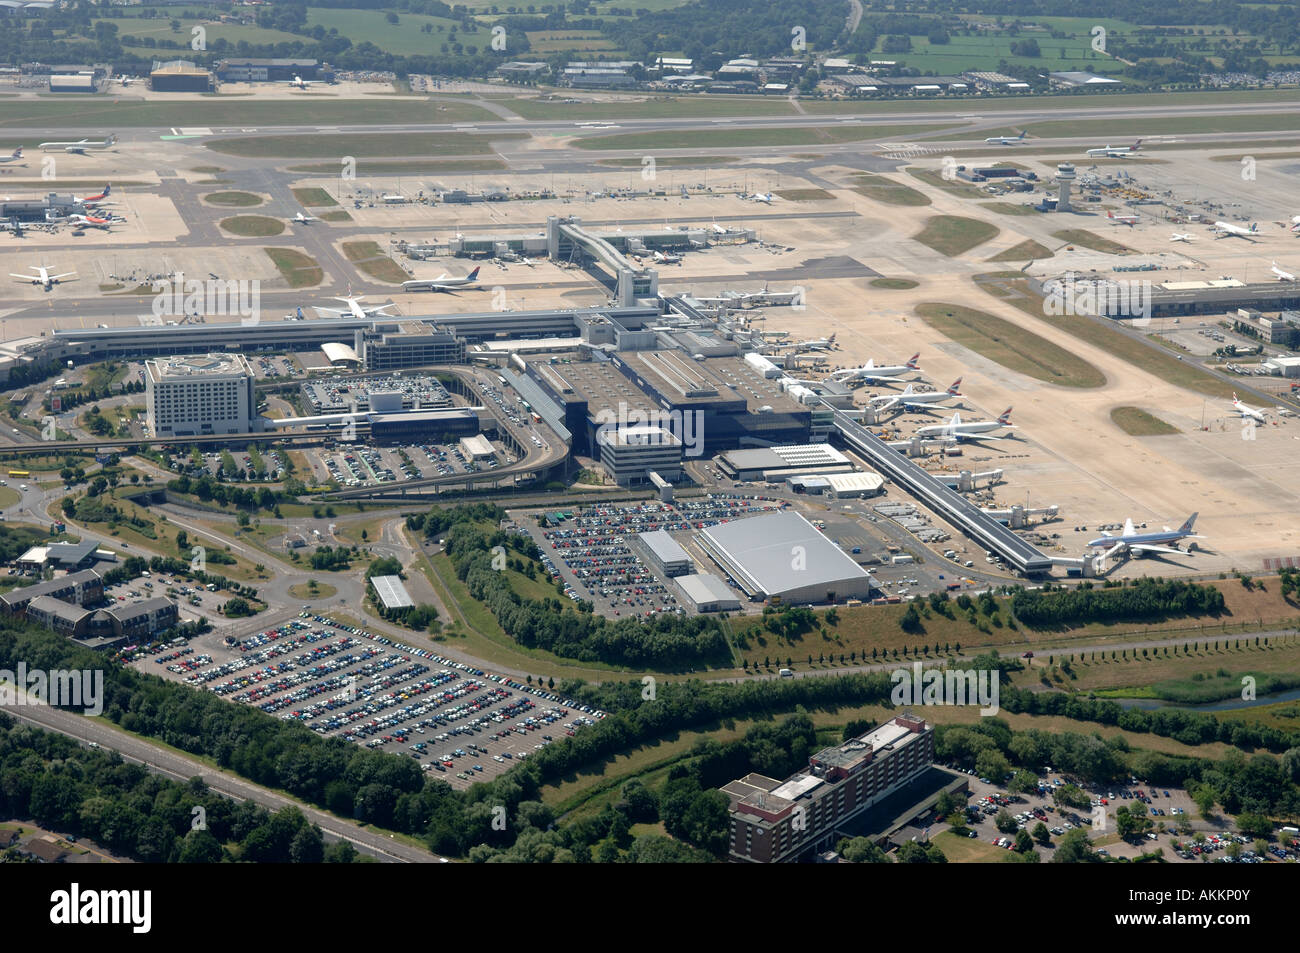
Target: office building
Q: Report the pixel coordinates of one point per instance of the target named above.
(206, 394)
(664, 553)
(630, 454)
(78, 588)
(788, 821)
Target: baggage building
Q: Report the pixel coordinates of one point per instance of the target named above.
(788, 821)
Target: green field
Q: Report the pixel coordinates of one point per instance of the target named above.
(1111, 129)
(1025, 251)
(102, 115)
(412, 167)
(360, 144)
(1086, 239)
(233, 199)
(253, 226)
(670, 162)
(659, 107)
(404, 38)
(893, 284)
(880, 189)
(953, 235)
(299, 270)
(1138, 423)
(1009, 208)
(313, 198)
(1010, 345)
(569, 41)
(741, 138)
(805, 195)
(368, 257)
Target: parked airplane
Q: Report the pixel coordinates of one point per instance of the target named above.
(911, 399)
(818, 344)
(43, 277)
(1246, 411)
(1295, 223)
(17, 154)
(956, 429)
(1141, 543)
(1116, 152)
(1228, 230)
(80, 146)
(870, 372)
(764, 197)
(667, 258)
(1282, 275)
(355, 308)
(1005, 140)
(1129, 220)
(91, 221)
(13, 225)
(98, 199)
(304, 218)
(1176, 237)
(299, 83)
(443, 282)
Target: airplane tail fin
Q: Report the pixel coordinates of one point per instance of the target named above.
(1187, 527)
(952, 389)
(1136, 146)
(18, 153)
(831, 339)
(473, 275)
(912, 362)
(1005, 417)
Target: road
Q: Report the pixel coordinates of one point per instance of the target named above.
(159, 759)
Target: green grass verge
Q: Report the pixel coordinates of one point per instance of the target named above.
(1086, 239)
(722, 137)
(233, 199)
(880, 189)
(1138, 423)
(1010, 345)
(360, 144)
(368, 257)
(253, 226)
(953, 235)
(894, 284)
(313, 198)
(298, 269)
(1026, 250)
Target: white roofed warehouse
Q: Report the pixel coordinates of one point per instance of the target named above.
(784, 558)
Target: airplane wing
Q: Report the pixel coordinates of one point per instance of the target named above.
(888, 403)
(24, 277)
(1152, 548)
(70, 274)
(1129, 529)
(331, 310)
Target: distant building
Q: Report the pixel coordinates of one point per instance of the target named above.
(180, 76)
(520, 69)
(1076, 78)
(664, 553)
(414, 344)
(269, 70)
(78, 588)
(630, 454)
(73, 83)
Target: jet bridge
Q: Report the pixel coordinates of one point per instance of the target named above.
(567, 237)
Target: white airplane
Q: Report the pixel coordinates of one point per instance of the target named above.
(818, 344)
(299, 83)
(93, 200)
(80, 146)
(955, 429)
(355, 308)
(1129, 220)
(14, 157)
(305, 219)
(1116, 152)
(524, 260)
(1228, 230)
(870, 372)
(1005, 140)
(1282, 275)
(91, 221)
(718, 229)
(911, 399)
(1141, 543)
(1176, 237)
(667, 259)
(1295, 223)
(443, 282)
(44, 277)
(1244, 411)
(764, 197)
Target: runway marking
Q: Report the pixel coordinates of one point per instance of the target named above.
(195, 131)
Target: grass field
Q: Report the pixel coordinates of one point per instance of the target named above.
(1010, 345)
(302, 591)
(669, 162)
(406, 37)
(337, 215)
(368, 257)
(893, 284)
(233, 199)
(1103, 129)
(410, 167)
(253, 226)
(1009, 208)
(103, 114)
(880, 189)
(805, 195)
(740, 138)
(313, 198)
(298, 269)
(659, 107)
(1136, 422)
(1025, 251)
(953, 235)
(951, 186)
(569, 41)
(360, 144)
(1086, 239)
(1103, 334)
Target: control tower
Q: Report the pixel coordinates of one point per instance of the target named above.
(1064, 176)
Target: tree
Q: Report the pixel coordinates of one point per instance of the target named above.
(1024, 843)
(862, 850)
(1022, 782)
(200, 847)
(1005, 822)
(992, 764)
(307, 847)
(1042, 834)
(1075, 848)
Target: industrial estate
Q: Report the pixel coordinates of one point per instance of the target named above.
(764, 456)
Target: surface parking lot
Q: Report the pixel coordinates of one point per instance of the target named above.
(362, 465)
(342, 681)
(591, 549)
